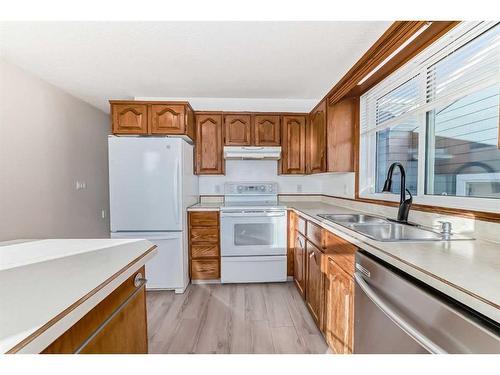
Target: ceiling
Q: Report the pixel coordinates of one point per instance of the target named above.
(98, 61)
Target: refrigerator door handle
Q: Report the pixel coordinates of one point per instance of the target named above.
(419, 337)
(176, 189)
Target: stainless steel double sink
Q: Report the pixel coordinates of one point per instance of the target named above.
(381, 229)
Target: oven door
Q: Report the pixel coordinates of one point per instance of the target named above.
(253, 233)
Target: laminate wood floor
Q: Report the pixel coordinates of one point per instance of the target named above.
(232, 318)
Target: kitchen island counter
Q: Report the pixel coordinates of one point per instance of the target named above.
(46, 286)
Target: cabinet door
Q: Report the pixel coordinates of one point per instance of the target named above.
(316, 140)
(267, 130)
(209, 144)
(299, 263)
(238, 130)
(293, 160)
(341, 131)
(129, 118)
(339, 309)
(314, 282)
(167, 119)
(116, 325)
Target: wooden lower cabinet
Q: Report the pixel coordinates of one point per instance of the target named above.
(314, 282)
(324, 276)
(339, 309)
(124, 333)
(204, 245)
(299, 263)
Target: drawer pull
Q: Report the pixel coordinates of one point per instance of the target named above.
(139, 280)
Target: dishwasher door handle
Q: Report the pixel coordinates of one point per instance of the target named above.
(418, 336)
(252, 214)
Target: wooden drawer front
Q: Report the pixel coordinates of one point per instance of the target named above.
(315, 234)
(204, 251)
(204, 219)
(205, 269)
(301, 225)
(210, 235)
(341, 251)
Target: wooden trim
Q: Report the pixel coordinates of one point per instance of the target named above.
(435, 31)
(131, 101)
(397, 34)
(66, 311)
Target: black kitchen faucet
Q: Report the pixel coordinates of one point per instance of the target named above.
(404, 204)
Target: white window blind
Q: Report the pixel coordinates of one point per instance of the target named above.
(474, 64)
(465, 60)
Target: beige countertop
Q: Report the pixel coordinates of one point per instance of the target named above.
(213, 206)
(48, 285)
(466, 270)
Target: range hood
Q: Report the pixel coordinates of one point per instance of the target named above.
(252, 153)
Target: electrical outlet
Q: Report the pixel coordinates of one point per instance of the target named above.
(299, 188)
(103, 213)
(80, 185)
(217, 188)
(346, 190)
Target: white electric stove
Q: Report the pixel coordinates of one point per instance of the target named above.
(253, 234)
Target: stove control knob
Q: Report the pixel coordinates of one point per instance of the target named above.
(262, 188)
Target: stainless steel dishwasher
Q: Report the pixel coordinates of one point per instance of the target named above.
(396, 314)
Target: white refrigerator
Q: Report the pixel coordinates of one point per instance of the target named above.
(151, 183)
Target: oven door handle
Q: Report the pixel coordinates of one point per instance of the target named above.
(252, 214)
(397, 319)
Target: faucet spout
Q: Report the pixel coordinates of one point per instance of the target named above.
(404, 204)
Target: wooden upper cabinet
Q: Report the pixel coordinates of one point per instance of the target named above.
(267, 131)
(316, 140)
(339, 309)
(314, 282)
(238, 130)
(167, 119)
(342, 118)
(209, 158)
(293, 145)
(129, 118)
(152, 118)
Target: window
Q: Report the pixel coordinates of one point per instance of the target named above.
(399, 143)
(438, 116)
(463, 158)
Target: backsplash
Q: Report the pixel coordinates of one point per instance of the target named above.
(338, 184)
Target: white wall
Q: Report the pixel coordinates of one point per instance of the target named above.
(48, 140)
(267, 170)
(243, 104)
